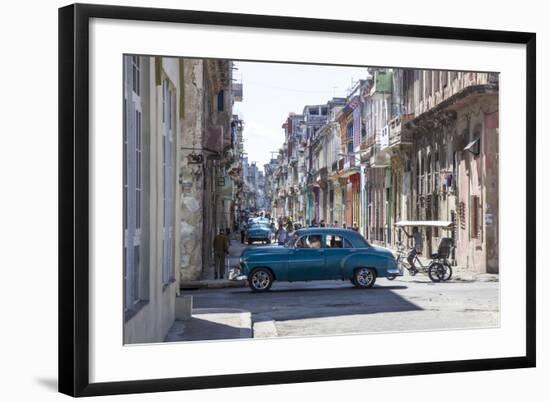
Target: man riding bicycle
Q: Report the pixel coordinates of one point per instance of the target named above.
(416, 249)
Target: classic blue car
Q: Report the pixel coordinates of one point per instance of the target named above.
(259, 232)
(318, 254)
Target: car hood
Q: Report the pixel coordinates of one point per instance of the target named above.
(263, 250)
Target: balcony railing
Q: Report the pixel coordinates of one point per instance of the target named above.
(350, 161)
(398, 135)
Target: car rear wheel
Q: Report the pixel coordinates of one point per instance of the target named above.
(364, 277)
(260, 280)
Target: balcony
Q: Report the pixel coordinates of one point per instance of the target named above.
(237, 91)
(350, 162)
(379, 158)
(397, 135)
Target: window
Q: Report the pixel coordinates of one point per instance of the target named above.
(167, 172)
(408, 166)
(135, 75)
(136, 275)
(421, 85)
(309, 242)
(337, 241)
(429, 176)
(428, 86)
(135, 272)
(138, 168)
(220, 101)
(349, 137)
(475, 217)
(124, 164)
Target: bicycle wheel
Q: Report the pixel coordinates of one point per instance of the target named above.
(448, 272)
(437, 272)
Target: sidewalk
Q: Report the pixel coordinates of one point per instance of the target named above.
(208, 281)
(212, 324)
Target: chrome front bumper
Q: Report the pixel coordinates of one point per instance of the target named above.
(394, 272)
(236, 275)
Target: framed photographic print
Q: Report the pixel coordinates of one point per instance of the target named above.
(251, 199)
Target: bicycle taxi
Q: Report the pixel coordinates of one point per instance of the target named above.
(439, 267)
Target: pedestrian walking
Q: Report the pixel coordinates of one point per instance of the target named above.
(355, 227)
(289, 226)
(221, 249)
(335, 223)
(243, 231)
(322, 223)
(281, 235)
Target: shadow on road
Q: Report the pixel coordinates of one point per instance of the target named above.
(292, 301)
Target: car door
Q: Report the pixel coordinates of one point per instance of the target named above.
(337, 247)
(307, 260)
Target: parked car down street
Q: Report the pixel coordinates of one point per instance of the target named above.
(259, 232)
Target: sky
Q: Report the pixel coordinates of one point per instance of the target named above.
(272, 90)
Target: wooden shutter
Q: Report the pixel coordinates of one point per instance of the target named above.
(474, 216)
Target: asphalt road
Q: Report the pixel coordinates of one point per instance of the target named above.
(336, 307)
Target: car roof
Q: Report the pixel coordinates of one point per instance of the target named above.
(326, 230)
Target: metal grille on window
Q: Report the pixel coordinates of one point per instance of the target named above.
(475, 217)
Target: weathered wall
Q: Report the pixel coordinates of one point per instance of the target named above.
(191, 199)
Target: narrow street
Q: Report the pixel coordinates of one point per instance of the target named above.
(336, 307)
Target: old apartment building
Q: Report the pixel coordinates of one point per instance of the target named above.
(412, 145)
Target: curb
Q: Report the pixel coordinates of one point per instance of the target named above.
(480, 277)
(195, 285)
(212, 324)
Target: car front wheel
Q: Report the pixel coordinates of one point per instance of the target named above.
(364, 277)
(260, 280)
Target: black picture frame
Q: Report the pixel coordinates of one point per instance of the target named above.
(74, 194)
